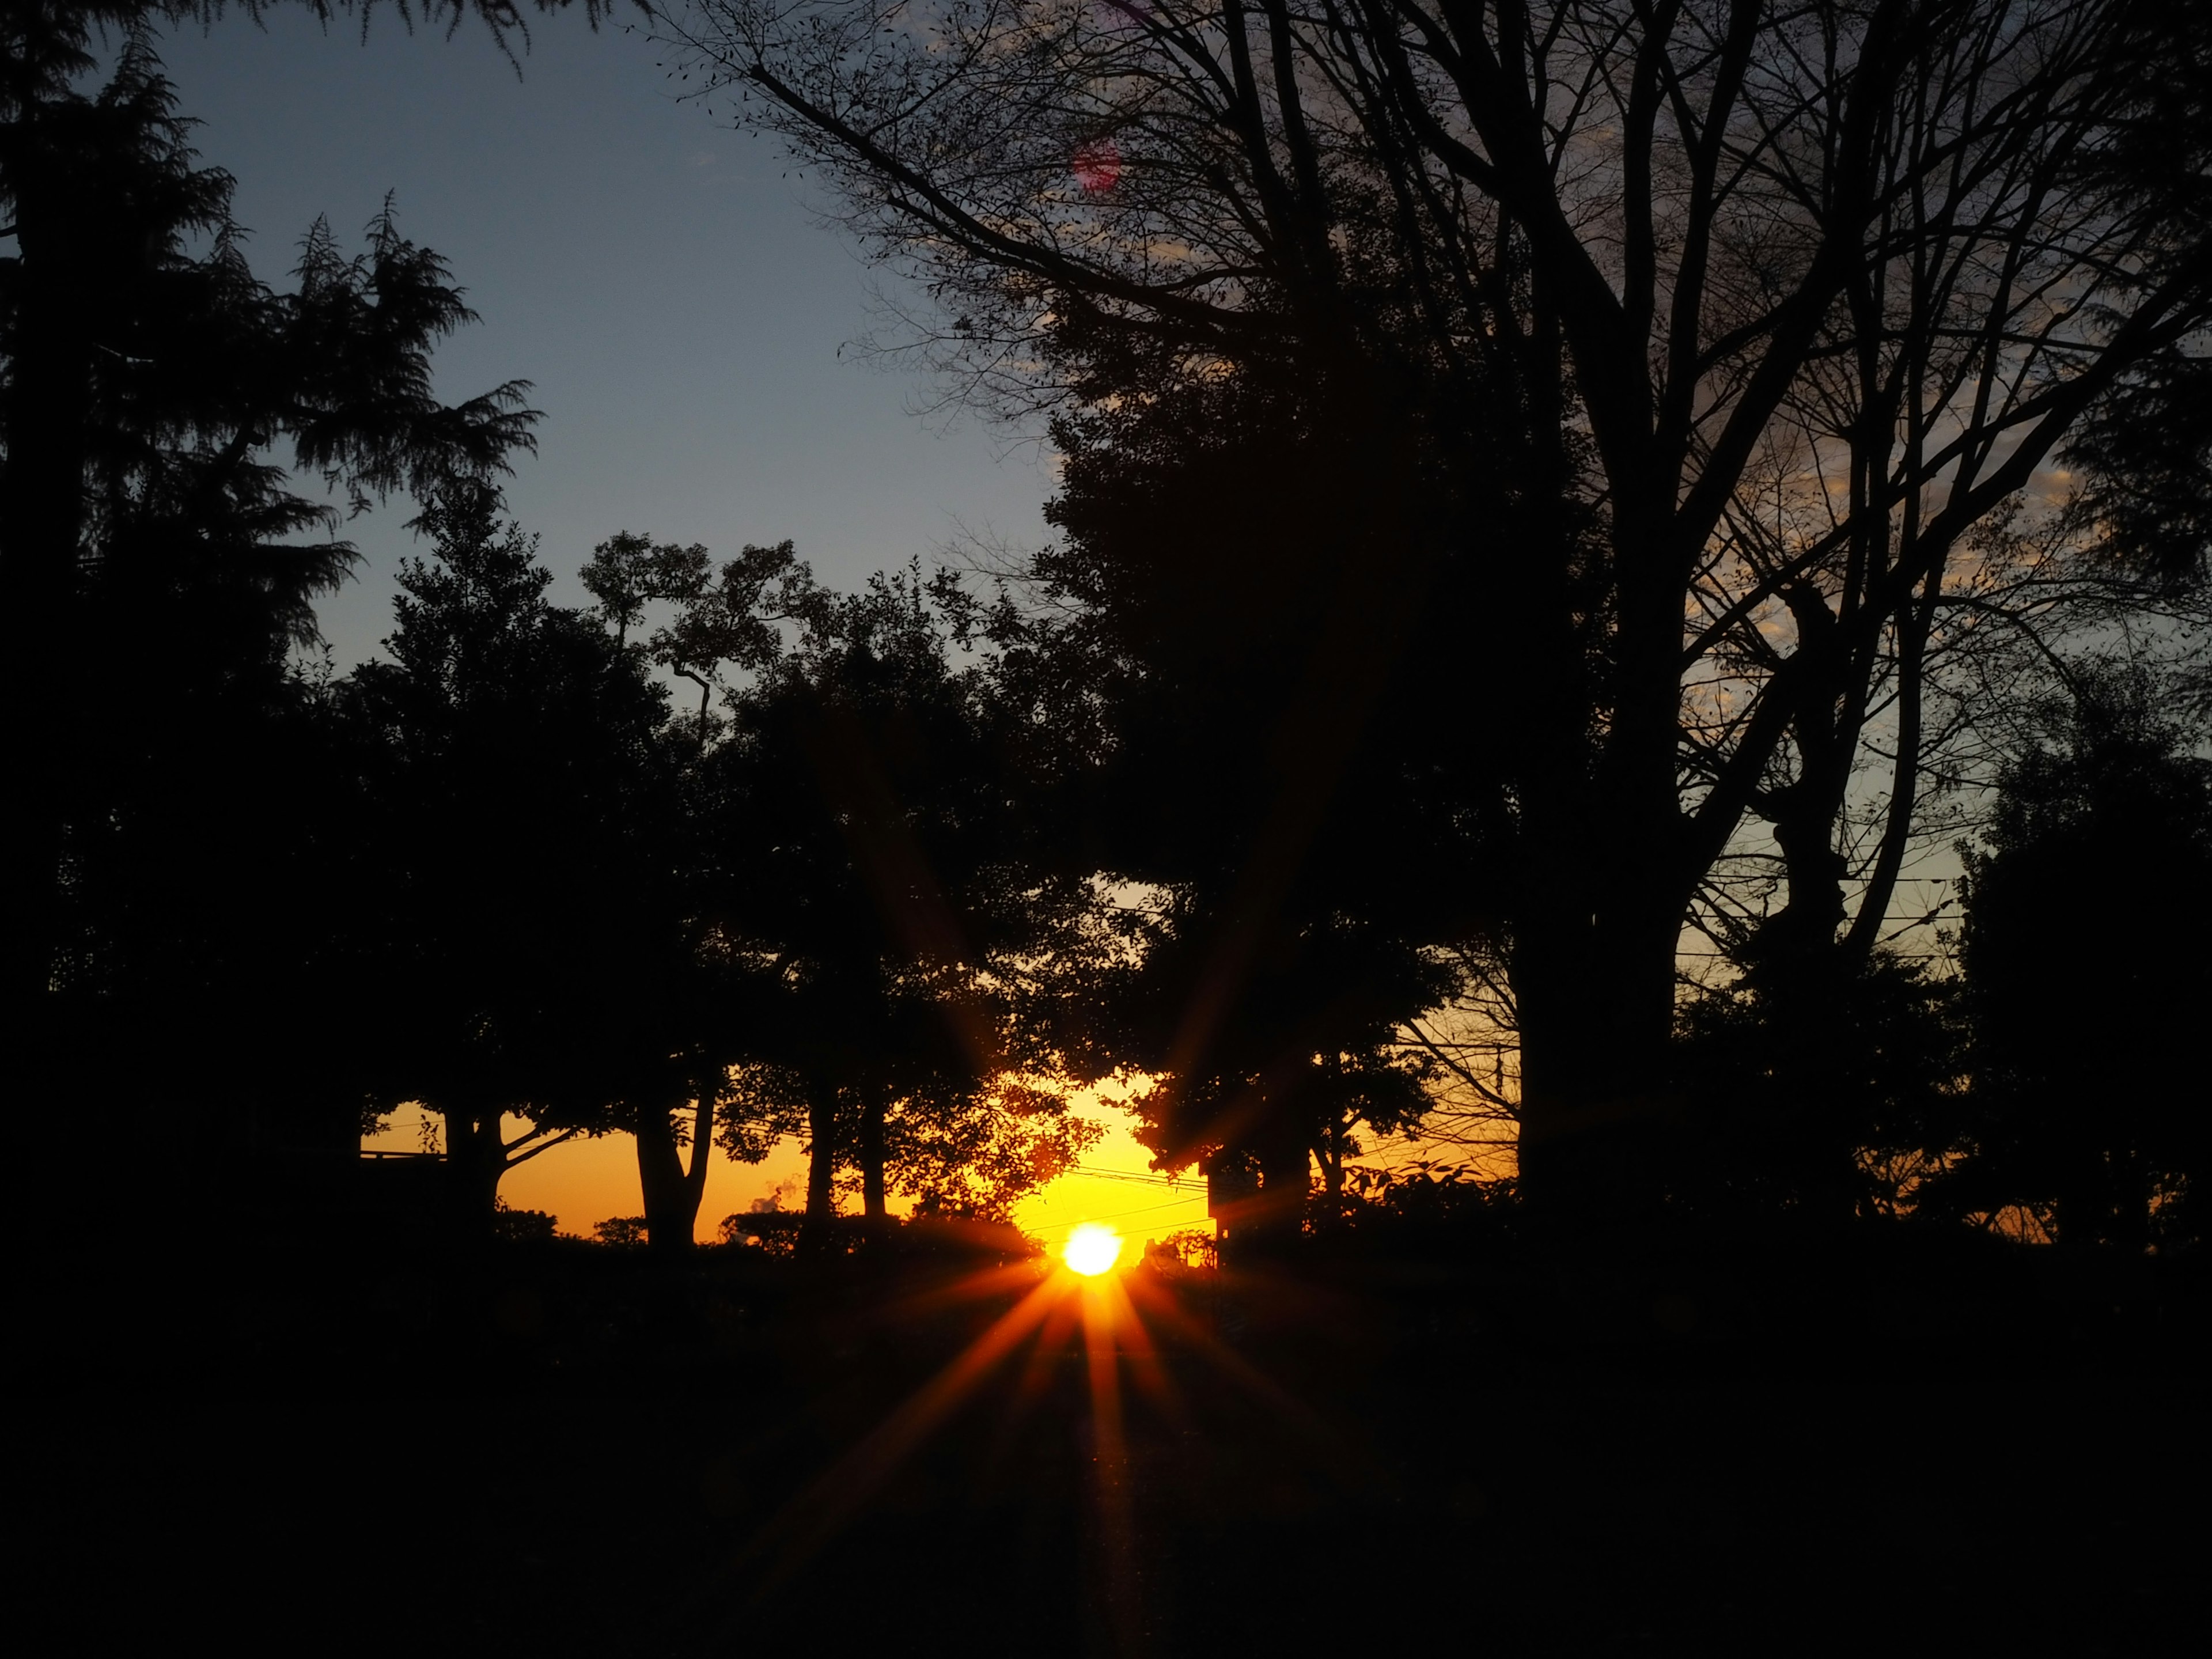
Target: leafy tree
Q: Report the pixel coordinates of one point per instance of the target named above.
(1815, 1086)
(1734, 313)
(720, 616)
(866, 859)
(2086, 984)
(625, 1231)
(535, 952)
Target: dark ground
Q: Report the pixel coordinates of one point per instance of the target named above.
(564, 1449)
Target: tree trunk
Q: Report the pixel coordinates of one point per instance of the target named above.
(671, 1190)
(1597, 1004)
(822, 1163)
(476, 1160)
(1602, 892)
(1329, 1154)
(873, 1196)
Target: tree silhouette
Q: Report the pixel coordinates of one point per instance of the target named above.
(536, 958)
(1258, 717)
(2086, 991)
(1753, 298)
(866, 856)
(726, 616)
(1816, 1086)
(181, 893)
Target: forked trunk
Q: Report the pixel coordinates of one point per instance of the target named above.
(672, 1189)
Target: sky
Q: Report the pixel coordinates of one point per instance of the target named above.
(687, 320)
(689, 323)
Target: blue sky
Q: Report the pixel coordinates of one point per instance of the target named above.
(669, 291)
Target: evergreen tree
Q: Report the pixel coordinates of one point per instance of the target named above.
(176, 886)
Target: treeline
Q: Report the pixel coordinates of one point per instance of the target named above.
(1396, 693)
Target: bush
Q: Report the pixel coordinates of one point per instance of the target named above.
(519, 1226)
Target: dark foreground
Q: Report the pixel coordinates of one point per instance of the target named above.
(568, 1449)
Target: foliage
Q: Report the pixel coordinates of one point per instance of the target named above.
(1233, 638)
(514, 1226)
(862, 857)
(972, 1154)
(1426, 1206)
(771, 1231)
(528, 835)
(720, 616)
(1194, 1249)
(624, 1231)
(1806, 1081)
(2086, 991)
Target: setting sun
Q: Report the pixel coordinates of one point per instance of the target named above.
(1091, 1249)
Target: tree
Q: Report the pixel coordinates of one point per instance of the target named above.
(535, 949)
(1762, 301)
(2085, 984)
(720, 616)
(1198, 641)
(867, 859)
(144, 383)
(181, 893)
(1820, 1087)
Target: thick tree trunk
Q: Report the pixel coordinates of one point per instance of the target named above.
(474, 1161)
(672, 1190)
(1603, 888)
(1595, 989)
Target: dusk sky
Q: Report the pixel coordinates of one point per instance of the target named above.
(674, 298)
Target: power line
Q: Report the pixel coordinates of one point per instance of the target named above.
(1148, 1209)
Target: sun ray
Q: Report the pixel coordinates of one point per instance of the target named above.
(1142, 1356)
(1233, 1365)
(809, 1519)
(1109, 1467)
(968, 1287)
(1036, 1379)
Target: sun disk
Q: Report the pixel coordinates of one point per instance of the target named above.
(1092, 1249)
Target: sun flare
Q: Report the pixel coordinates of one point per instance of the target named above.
(1092, 1249)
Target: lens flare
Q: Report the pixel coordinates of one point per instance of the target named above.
(1098, 167)
(1092, 1249)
